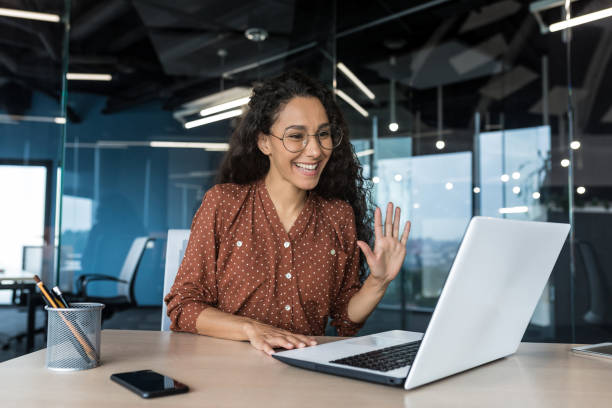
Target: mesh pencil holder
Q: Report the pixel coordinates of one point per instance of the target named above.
(73, 337)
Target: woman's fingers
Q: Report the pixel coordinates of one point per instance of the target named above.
(367, 251)
(266, 338)
(300, 341)
(309, 341)
(287, 340)
(389, 220)
(406, 233)
(260, 344)
(396, 221)
(378, 230)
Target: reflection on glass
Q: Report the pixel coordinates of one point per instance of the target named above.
(434, 192)
(514, 165)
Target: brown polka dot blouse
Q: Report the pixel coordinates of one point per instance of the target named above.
(241, 260)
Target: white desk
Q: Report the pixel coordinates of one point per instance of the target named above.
(19, 279)
(223, 373)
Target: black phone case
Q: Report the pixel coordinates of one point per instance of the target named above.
(147, 394)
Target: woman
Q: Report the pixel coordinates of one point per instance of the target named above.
(274, 248)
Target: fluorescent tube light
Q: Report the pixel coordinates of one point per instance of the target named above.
(351, 102)
(587, 18)
(347, 72)
(191, 145)
(225, 106)
(366, 152)
(514, 210)
(214, 118)
(30, 15)
(74, 76)
(13, 119)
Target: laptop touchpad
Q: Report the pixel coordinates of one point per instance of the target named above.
(377, 341)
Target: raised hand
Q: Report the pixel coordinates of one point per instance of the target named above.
(389, 249)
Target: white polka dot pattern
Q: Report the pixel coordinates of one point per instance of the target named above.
(241, 260)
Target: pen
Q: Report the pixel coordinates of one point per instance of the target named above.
(82, 344)
(60, 296)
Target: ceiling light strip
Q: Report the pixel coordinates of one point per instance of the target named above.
(214, 118)
(349, 74)
(27, 118)
(514, 210)
(351, 102)
(587, 18)
(366, 152)
(30, 15)
(74, 76)
(225, 106)
(191, 145)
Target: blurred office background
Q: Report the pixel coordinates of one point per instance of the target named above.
(467, 107)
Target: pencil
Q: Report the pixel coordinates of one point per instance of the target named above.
(82, 343)
(45, 292)
(59, 295)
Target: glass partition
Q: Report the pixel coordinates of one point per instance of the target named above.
(140, 158)
(460, 109)
(32, 120)
(488, 114)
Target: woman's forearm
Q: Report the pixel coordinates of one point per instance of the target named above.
(363, 302)
(213, 322)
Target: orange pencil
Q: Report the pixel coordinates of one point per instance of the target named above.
(57, 304)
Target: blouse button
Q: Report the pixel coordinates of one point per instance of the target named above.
(287, 308)
(286, 244)
(333, 252)
(239, 243)
(288, 275)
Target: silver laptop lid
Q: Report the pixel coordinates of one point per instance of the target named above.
(489, 297)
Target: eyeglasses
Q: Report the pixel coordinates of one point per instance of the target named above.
(295, 138)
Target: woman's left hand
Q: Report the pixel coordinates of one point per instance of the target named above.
(389, 249)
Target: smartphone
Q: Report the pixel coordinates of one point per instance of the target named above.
(149, 384)
(600, 350)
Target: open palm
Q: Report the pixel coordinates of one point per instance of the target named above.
(389, 250)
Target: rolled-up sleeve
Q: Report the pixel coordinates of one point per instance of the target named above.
(195, 286)
(350, 283)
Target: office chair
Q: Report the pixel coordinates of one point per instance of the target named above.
(175, 250)
(31, 261)
(125, 282)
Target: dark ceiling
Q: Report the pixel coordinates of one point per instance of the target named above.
(487, 55)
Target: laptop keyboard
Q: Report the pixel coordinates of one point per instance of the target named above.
(385, 359)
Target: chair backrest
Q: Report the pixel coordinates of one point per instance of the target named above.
(175, 249)
(130, 267)
(31, 259)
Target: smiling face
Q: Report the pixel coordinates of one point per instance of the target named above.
(301, 170)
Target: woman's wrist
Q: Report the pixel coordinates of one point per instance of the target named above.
(376, 284)
(248, 325)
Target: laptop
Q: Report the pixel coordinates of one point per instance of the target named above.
(490, 294)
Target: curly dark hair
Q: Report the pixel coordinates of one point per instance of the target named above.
(342, 177)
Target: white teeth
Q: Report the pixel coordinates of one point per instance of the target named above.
(306, 166)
